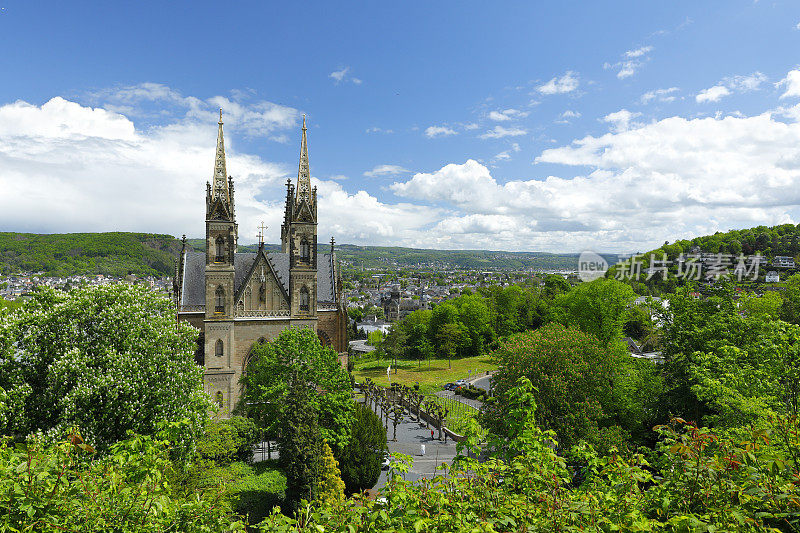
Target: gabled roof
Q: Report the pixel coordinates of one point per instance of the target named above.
(194, 275)
(240, 283)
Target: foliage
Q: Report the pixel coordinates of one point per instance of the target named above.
(134, 488)
(300, 443)
(600, 308)
(112, 254)
(254, 490)
(226, 441)
(360, 460)
(570, 370)
(107, 359)
(298, 352)
(329, 485)
(694, 481)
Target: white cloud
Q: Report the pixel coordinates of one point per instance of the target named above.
(507, 114)
(747, 83)
(385, 170)
(621, 120)
(439, 131)
(66, 167)
(498, 132)
(633, 60)
(712, 94)
(565, 84)
(343, 74)
(661, 95)
(798, 26)
(674, 178)
(570, 114)
(471, 126)
(792, 84)
(376, 129)
(639, 52)
(338, 75)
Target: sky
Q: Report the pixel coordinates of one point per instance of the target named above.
(520, 126)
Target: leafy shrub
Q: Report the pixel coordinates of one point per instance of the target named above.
(256, 489)
(225, 441)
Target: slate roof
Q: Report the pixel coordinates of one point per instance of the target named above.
(194, 275)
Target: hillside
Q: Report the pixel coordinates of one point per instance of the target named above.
(111, 254)
(120, 253)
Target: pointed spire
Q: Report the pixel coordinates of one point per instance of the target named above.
(220, 172)
(303, 174)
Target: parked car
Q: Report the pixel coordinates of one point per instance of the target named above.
(386, 460)
(461, 382)
(450, 386)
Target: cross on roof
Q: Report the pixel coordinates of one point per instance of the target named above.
(261, 229)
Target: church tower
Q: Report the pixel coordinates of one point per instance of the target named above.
(299, 238)
(221, 237)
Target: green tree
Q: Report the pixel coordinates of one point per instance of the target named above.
(298, 352)
(360, 461)
(107, 360)
(300, 443)
(451, 338)
(571, 372)
(600, 308)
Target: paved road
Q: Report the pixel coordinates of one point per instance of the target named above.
(410, 437)
(483, 383)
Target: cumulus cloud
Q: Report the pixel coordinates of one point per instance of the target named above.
(791, 84)
(439, 131)
(712, 94)
(385, 170)
(671, 178)
(498, 132)
(620, 120)
(659, 95)
(565, 117)
(67, 167)
(565, 84)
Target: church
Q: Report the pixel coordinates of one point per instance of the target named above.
(238, 300)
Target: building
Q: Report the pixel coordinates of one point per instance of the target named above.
(238, 300)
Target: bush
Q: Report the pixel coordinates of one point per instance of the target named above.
(256, 489)
(225, 441)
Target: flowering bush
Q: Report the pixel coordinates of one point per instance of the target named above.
(107, 360)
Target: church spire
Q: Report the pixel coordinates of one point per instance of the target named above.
(220, 172)
(303, 174)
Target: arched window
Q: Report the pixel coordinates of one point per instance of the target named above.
(219, 350)
(219, 399)
(219, 300)
(304, 299)
(305, 250)
(220, 256)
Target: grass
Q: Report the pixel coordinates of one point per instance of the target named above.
(430, 376)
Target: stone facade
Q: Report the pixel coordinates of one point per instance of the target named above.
(238, 300)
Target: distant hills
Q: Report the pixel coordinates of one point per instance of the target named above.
(121, 253)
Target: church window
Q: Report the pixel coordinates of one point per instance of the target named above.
(220, 399)
(304, 299)
(219, 300)
(305, 251)
(220, 255)
(219, 350)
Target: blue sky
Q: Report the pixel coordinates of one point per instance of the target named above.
(610, 126)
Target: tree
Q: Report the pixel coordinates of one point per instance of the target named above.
(298, 352)
(330, 487)
(107, 360)
(600, 308)
(300, 443)
(360, 461)
(571, 371)
(450, 338)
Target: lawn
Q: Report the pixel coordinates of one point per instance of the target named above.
(431, 376)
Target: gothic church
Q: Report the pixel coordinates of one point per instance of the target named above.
(237, 300)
